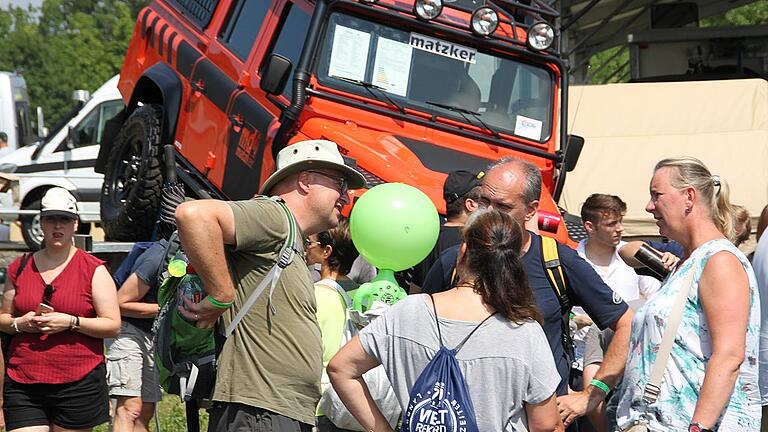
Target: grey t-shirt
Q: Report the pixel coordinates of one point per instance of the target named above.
(504, 364)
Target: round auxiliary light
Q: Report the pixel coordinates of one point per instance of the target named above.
(484, 21)
(368, 1)
(540, 36)
(428, 9)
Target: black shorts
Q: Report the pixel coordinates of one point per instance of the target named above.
(78, 405)
(235, 417)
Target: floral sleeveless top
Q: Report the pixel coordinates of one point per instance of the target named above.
(692, 349)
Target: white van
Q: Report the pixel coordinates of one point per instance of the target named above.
(15, 111)
(66, 159)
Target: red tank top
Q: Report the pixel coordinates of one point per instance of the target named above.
(62, 357)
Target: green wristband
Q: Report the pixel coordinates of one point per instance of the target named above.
(222, 305)
(601, 385)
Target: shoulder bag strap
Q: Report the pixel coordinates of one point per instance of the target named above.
(284, 258)
(652, 388)
(23, 264)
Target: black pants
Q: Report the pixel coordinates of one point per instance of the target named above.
(235, 417)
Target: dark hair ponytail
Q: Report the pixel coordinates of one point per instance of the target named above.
(492, 265)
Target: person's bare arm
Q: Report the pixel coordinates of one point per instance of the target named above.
(346, 371)
(628, 251)
(128, 296)
(106, 324)
(598, 416)
(577, 404)
(205, 226)
(542, 417)
(7, 314)
(724, 296)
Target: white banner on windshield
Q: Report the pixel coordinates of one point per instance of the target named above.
(349, 55)
(443, 48)
(391, 69)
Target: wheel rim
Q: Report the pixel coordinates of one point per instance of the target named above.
(127, 172)
(35, 229)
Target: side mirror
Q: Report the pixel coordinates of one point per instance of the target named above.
(71, 138)
(81, 96)
(41, 129)
(276, 74)
(572, 152)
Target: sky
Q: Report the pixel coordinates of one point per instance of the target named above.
(5, 3)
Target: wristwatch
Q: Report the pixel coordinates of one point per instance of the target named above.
(697, 427)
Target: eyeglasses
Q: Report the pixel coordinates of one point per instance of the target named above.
(341, 182)
(48, 293)
(309, 242)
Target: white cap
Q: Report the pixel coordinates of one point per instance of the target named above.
(59, 202)
(312, 154)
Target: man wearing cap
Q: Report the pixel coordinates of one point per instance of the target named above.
(269, 368)
(460, 192)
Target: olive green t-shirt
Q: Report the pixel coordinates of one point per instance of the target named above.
(271, 361)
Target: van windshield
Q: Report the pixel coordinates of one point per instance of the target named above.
(436, 75)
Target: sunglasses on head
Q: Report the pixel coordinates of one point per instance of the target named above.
(48, 293)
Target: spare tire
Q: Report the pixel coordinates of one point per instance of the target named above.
(133, 177)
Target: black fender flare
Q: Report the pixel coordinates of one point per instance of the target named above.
(158, 85)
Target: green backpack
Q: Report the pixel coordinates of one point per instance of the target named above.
(186, 355)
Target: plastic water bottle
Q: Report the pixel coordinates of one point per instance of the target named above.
(191, 288)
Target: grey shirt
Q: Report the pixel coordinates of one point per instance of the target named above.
(504, 364)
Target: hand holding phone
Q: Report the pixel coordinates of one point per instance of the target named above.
(43, 308)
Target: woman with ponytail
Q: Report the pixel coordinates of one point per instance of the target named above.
(507, 363)
(710, 377)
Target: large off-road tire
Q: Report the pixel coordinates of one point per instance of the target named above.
(130, 196)
(31, 230)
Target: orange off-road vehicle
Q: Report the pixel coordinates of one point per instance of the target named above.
(410, 89)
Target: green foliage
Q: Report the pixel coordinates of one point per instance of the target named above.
(171, 414)
(609, 66)
(614, 68)
(66, 45)
(749, 14)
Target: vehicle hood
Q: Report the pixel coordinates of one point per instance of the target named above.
(395, 157)
(22, 156)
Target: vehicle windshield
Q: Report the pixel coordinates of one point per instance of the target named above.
(438, 76)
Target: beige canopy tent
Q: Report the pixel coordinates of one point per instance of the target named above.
(629, 127)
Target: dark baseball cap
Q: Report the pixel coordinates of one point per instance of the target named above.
(459, 183)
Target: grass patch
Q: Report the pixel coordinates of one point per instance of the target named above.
(171, 415)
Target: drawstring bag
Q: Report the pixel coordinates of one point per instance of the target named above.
(440, 400)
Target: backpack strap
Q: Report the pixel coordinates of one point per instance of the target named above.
(284, 259)
(332, 284)
(553, 268)
(461, 344)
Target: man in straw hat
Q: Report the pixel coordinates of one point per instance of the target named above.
(269, 367)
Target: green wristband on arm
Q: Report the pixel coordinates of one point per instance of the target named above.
(601, 385)
(218, 304)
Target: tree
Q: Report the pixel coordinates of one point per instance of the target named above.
(613, 62)
(65, 45)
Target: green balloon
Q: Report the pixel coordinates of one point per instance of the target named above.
(394, 226)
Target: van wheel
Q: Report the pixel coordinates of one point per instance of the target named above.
(130, 196)
(31, 229)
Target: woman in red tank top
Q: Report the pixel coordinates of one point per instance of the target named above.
(59, 303)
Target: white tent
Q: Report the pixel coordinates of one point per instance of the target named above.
(629, 127)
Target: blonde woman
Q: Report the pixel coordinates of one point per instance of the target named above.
(710, 380)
